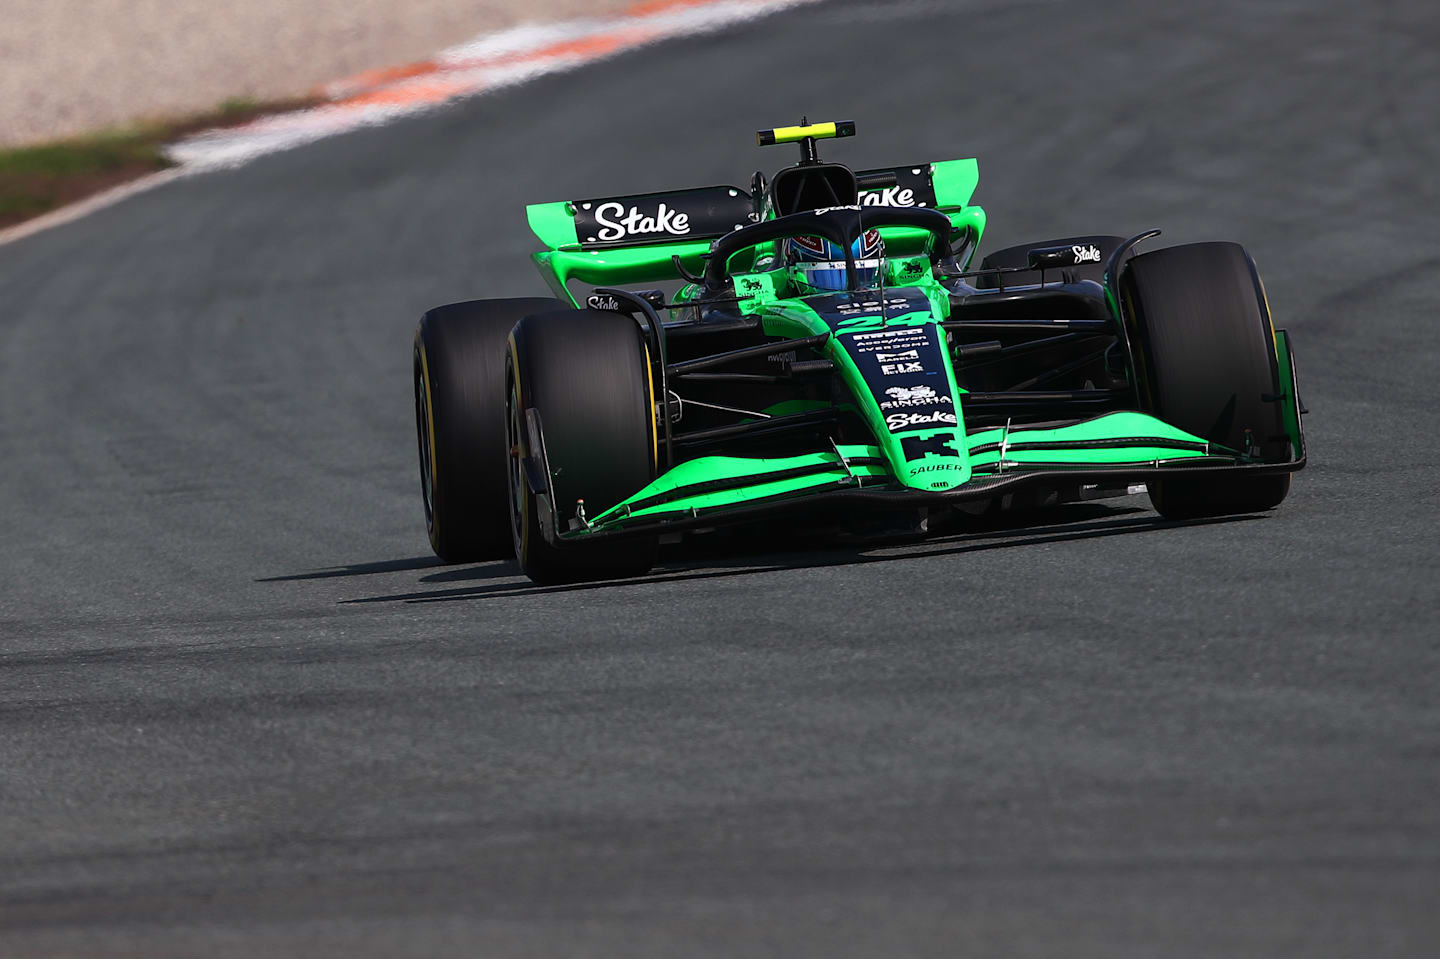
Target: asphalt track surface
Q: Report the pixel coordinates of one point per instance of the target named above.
(242, 711)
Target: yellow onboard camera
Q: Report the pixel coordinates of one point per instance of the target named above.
(805, 131)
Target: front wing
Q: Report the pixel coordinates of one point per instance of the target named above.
(1115, 449)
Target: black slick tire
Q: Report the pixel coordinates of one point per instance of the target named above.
(1205, 362)
(459, 376)
(587, 373)
(1017, 256)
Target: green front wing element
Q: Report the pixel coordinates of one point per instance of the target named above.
(711, 484)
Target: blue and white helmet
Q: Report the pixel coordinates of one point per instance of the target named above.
(820, 264)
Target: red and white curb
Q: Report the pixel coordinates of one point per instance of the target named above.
(488, 62)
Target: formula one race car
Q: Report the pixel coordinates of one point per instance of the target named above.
(830, 355)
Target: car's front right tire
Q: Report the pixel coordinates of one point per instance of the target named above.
(459, 376)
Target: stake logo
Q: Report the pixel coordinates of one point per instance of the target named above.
(634, 222)
(890, 196)
(905, 421)
(1086, 254)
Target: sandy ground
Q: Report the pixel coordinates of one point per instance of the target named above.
(75, 65)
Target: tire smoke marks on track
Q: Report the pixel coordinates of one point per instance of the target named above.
(488, 62)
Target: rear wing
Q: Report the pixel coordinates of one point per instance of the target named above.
(633, 239)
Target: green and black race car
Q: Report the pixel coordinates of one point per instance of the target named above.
(830, 355)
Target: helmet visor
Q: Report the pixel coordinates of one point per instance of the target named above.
(829, 275)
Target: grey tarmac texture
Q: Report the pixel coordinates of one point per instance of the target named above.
(242, 711)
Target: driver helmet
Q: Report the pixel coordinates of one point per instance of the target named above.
(819, 263)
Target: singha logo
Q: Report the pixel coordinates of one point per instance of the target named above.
(908, 395)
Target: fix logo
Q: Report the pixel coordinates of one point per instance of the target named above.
(893, 369)
(1086, 254)
(907, 421)
(616, 223)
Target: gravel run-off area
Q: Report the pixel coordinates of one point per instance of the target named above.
(73, 66)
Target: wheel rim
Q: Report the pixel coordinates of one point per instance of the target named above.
(422, 430)
(515, 473)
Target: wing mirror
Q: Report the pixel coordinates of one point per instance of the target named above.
(1058, 257)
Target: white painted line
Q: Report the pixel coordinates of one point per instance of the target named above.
(89, 205)
(488, 62)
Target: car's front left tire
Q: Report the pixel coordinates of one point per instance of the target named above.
(1205, 362)
(587, 373)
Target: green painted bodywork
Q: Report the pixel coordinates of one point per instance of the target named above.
(717, 483)
(793, 318)
(761, 473)
(1290, 409)
(563, 261)
(1141, 429)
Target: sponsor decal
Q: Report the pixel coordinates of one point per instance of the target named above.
(892, 305)
(912, 270)
(901, 397)
(910, 396)
(890, 196)
(1086, 254)
(661, 217)
(892, 357)
(616, 223)
(906, 421)
(826, 209)
(913, 187)
(597, 301)
(904, 368)
(933, 467)
(920, 447)
(897, 339)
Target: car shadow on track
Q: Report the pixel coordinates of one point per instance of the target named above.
(361, 569)
(747, 553)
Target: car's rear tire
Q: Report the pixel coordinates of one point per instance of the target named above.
(587, 373)
(459, 376)
(1018, 256)
(1205, 362)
